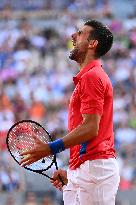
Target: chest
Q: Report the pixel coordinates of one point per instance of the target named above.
(75, 97)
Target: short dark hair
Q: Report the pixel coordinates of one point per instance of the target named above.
(101, 33)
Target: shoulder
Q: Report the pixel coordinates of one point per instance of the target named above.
(93, 74)
(97, 76)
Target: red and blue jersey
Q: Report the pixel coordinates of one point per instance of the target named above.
(93, 94)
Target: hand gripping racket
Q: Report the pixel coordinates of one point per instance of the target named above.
(20, 138)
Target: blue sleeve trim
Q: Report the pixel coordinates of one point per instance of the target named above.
(83, 148)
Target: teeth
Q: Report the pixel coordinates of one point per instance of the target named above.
(73, 43)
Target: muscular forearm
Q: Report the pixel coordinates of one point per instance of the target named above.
(80, 135)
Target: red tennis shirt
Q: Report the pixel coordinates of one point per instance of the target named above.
(93, 94)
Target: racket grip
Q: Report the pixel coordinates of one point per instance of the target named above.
(60, 178)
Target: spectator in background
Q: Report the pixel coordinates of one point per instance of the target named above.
(6, 118)
(30, 199)
(47, 200)
(9, 178)
(11, 200)
(22, 56)
(37, 111)
(125, 130)
(20, 108)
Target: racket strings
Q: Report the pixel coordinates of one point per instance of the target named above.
(22, 138)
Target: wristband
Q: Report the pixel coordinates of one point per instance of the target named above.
(57, 146)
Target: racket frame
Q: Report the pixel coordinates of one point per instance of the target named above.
(35, 171)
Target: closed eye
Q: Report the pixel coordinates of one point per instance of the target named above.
(79, 32)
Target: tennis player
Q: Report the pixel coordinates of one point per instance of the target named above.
(93, 174)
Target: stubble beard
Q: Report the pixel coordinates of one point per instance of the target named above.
(77, 55)
(74, 54)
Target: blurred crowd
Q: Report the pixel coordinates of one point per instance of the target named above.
(36, 78)
(31, 198)
(72, 5)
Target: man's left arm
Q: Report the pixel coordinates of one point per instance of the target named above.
(84, 132)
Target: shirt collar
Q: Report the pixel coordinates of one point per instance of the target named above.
(94, 63)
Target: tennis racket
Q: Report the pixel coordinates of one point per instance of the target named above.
(20, 138)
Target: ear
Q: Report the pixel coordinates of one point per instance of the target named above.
(93, 44)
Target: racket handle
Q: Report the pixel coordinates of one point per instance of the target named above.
(60, 178)
(55, 179)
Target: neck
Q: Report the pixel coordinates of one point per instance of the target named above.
(86, 61)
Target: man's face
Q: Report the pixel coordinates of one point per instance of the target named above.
(80, 44)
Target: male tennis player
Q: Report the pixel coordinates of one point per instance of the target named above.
(93, 174)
